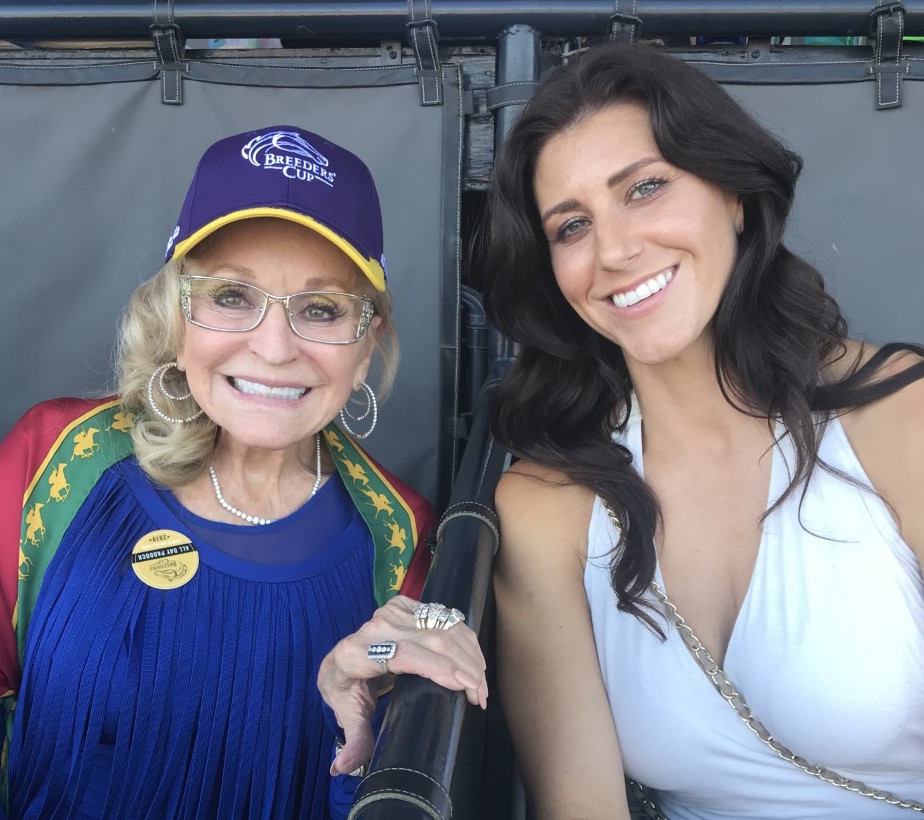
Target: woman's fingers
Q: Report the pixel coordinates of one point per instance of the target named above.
(391, 643)
(353, 703)
(457, 641)
(357, 748)
(417, 651)
(450, 664)
(352, 675)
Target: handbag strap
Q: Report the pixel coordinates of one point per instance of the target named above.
(727, 690)
(647, 808)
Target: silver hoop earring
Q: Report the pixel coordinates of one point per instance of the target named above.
(371, 407)
(158, 377)
(161, 372)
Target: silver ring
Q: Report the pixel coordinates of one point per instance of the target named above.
(436, 616)
(381, 653)
(453, 617)
(360, 771)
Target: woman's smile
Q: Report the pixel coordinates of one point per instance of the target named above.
(647, 289)
(254, 388)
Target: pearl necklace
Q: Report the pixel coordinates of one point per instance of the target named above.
(255, 519)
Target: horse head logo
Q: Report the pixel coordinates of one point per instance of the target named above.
(287, 142)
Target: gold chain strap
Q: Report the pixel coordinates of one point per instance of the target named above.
(727, 690)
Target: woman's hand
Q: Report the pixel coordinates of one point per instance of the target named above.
(351, 683)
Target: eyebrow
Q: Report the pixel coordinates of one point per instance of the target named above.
(238, 273)
(611, 182)
(231, 271)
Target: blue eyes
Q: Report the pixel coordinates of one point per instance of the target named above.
(639, 192)
(645, 188)
(569, 228)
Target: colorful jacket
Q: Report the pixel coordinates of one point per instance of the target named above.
(56, 454)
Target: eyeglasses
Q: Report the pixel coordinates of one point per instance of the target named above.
(319, 316)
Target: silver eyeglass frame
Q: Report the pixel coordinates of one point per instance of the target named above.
(365, 319)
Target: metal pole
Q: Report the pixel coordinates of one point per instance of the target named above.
(518, 60)
(324, 20)
(411, 772)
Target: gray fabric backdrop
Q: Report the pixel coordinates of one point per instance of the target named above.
(858, 211)
(92, 176)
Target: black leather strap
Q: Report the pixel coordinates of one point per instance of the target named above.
(168, 43)
(472, 509)
(514, 93)
(424, 36)
(403, 787)
(887, 27)
(625, 26)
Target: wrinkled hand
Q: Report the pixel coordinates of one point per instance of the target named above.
(350, 683)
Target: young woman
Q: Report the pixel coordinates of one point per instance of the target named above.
(692, 421)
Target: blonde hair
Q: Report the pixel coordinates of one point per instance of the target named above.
(150, 334)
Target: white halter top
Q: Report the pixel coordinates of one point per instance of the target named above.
(828, 650)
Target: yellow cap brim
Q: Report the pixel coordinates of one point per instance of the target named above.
(372, 269)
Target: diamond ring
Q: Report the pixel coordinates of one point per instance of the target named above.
(436, 616)
(381, 653)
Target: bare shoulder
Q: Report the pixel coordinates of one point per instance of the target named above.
(888, 438)
(539, 506)
(898, 416)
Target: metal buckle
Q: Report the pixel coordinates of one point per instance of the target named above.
(426, 21)
(632, 20)
(881, 11)
(625, 24)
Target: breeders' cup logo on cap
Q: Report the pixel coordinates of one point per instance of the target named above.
(290, 154)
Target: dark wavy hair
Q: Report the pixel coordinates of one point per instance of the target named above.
(774, 331)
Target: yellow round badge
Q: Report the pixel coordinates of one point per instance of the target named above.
(165, 559)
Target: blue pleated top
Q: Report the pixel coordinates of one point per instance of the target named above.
(193, 702)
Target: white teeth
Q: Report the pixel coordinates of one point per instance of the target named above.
(643, 291)
(257, 389)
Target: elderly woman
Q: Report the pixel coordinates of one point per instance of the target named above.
(190, 551)
(698, 437)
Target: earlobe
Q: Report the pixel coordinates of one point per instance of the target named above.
(739, 217)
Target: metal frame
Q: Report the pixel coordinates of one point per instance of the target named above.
(327, 20)
(413, 766)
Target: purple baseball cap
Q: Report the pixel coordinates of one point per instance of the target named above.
(285, 172)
